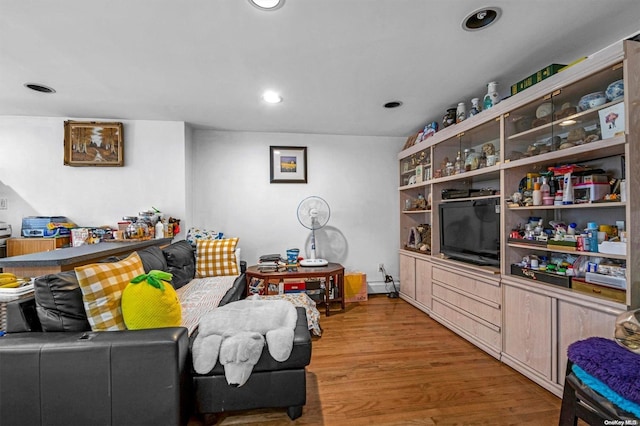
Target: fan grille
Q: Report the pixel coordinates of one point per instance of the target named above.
(313, 212)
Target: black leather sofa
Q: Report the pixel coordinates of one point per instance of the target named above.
(55, 371)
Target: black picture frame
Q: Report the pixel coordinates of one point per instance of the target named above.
(288, 164)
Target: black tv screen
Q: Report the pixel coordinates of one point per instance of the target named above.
(470, 230)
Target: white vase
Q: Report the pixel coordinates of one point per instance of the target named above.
(461, 112)
(491, 98)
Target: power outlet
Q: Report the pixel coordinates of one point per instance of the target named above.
(3, 204)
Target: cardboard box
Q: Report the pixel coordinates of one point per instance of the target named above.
(355, 287)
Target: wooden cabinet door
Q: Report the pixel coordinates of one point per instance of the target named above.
(423, 282)
(408, 276)
(577, 322)
(527, 328)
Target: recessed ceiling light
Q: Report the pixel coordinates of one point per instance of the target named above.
(39, 88)
(267, 4)
(393, 104)
(481, 18)
(271, 97)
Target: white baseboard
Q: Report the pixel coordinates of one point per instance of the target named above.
(378, 287)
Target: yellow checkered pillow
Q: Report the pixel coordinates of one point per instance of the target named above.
(102, 285)
(216, 258)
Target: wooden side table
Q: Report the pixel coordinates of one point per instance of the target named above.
(332, 270)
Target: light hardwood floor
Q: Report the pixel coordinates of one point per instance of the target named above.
(384, 362)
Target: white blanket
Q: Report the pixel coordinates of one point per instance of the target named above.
(233, 334)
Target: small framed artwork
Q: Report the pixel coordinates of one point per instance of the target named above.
(288, 164)
(612, 121)
(91, 143)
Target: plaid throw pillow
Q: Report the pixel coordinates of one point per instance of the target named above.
(102, 285)
(216, 258)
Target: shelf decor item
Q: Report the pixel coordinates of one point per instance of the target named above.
(475, 107)
(615, 91)
(492, 97)
(449, 118)
(536, 77)
(92, 143)
(612, 121)
(591, 100)
(288, 164)
(461, 112)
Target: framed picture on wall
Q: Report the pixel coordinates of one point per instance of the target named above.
(91, 143)
(288, 164)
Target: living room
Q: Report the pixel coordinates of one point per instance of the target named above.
(214, 178)
(212, 171)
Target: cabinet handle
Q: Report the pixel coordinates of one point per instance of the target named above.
(459, 135)
(616, 66)
(505, 116)
(547, 97)
(557, 92)
(597, 291)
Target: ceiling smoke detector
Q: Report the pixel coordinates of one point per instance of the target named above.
(481, 18)
(267, 4)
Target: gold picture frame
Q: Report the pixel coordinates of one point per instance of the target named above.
(93, 143)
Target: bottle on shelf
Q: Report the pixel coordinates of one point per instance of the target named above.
(459, 164)
(159, 230)
(567, 189)
(537, 194)
(592, 236)
(545, 188)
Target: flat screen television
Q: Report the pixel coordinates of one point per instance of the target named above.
(470, 230)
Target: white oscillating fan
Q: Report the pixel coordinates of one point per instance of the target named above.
(313, 213)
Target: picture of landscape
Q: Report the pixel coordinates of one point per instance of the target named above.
(288, 164)
(93, 144)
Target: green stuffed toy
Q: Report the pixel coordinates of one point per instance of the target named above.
(150, 301)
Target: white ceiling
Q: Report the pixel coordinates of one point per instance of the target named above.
(336, 62)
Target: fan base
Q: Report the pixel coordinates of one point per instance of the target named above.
(314, 262)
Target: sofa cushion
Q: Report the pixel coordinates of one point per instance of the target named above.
(216, 258)
(181, 262)
(152, 258)
(102, 285)
(195, 234)
(59, 302)
(149, 301)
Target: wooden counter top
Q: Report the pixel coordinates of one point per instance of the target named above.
(65, 259)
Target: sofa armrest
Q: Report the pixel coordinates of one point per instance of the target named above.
(237, 291)
(118, 378)
(22, 316)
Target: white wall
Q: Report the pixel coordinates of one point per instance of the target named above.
(213, 179)
(35, 182)
(357, 176)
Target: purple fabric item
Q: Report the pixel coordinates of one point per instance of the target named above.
(615, 366)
